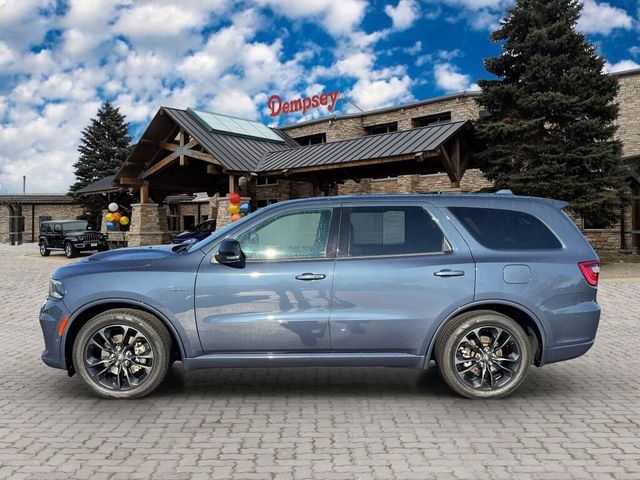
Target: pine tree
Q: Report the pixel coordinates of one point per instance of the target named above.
(550, 132)
(104, 146)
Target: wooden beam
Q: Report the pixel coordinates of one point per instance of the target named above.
(233, 184)
(144, 192)
(202, 156)
(130, 181)
(211, 168)
(449, 167)
(160, 165)
(181, 151)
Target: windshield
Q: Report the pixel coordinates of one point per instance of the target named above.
(74, 226)
(217, 234)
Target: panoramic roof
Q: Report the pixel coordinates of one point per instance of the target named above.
(236, 126)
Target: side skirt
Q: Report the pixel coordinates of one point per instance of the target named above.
(254, 360)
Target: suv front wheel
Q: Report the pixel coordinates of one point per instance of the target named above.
(483, 354)
(69, 250)
(122, 353)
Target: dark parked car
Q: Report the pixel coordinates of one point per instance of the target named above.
(196, 234)
(71, 236)
(484, 285)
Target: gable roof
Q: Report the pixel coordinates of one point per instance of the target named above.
(103, 185)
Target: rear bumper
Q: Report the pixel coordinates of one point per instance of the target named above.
(565, 352)
(51, 314)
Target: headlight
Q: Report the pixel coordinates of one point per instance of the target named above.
(56, 289)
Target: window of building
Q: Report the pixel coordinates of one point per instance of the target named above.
(506, 229)
(382, 128)
(593, 224)
(173, 218)
(264, 203)
(188, 222)
(312, 139)
(375, 231)
(294, 235)
(264, 181)
(204, 218)
(435, 119)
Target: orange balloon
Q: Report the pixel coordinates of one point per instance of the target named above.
(117, 216)
(235, 217)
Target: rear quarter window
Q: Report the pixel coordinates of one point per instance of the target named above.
(500, 229)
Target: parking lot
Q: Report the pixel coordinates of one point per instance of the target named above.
(578, 419)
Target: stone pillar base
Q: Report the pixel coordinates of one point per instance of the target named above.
(223, 217)
(148, 225)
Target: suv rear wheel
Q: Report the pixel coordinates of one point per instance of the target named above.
(483, 354)
(69, 250)
(122, 353)
(44, 251)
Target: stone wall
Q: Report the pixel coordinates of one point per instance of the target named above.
(461, 108)
(629, 116)
(148, 225)
(55, 211)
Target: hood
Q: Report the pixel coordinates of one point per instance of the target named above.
(134, 256)
(81, 232)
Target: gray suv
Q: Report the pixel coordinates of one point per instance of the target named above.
(484, 285)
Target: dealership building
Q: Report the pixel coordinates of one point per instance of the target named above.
(187, 162)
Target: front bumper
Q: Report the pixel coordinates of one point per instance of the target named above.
(51, 314)
(90, 245)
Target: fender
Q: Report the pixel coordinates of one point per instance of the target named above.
(430, 343)
(125, 301)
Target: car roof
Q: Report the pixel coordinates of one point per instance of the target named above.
(440, 199)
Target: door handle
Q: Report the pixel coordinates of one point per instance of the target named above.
(311, 276)
(449, 273)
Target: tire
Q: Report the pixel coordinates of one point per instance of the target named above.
(44, 251)
(117, 332)
(70, 251)
(493, 371)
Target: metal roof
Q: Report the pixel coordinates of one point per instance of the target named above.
(103, 185)
(405, 142)
(38, 198)
(235, 152)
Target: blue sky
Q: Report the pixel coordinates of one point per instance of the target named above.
(60, 59)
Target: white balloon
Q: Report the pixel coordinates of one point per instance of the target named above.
(113, 207)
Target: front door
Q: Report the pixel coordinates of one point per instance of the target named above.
(279, 300)
(400, 269)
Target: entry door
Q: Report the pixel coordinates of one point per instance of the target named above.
(280, 299)
(398, 273)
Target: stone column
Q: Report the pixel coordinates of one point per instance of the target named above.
(223, 217)
(148, 225)
(407, 183)
(103, 222)
(4, 224)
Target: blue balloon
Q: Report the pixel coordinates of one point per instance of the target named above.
(245, 208)
(111, 226)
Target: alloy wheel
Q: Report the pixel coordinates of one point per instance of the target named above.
(119, 357)
(487, 358)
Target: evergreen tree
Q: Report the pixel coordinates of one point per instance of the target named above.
(553, 112)
(104, 146)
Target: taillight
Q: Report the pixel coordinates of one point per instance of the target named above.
(590, 270)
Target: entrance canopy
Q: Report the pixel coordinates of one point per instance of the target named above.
(188, 151)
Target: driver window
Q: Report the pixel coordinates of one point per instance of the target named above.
(57, 228)
(294, 235)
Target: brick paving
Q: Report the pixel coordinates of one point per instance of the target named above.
(579, 419)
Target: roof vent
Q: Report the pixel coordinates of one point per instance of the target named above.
(504, 191)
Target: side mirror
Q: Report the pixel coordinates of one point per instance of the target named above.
(229, 252)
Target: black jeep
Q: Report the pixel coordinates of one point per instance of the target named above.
(72, 236)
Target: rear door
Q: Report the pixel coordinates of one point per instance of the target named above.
(400, 270)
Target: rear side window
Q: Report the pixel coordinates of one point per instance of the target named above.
(506, 229)
(375, 231)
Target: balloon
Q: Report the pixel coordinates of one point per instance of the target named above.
(245, 208)
(235, 217)
(117, 217)
(234, 197)
(234, 208)
(111, 225)
(113, 207)
(124, 220)
(109, 217)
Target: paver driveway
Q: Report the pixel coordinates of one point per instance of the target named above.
(579, 419)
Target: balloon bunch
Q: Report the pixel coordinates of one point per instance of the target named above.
(236, 210)
(115, 218)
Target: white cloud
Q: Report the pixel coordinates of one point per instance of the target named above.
(339, 17)
(449, 78)
(414, 49)
(620, 66)
(602, 18)
(404, 14)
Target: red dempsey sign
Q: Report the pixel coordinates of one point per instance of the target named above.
(278, 106)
